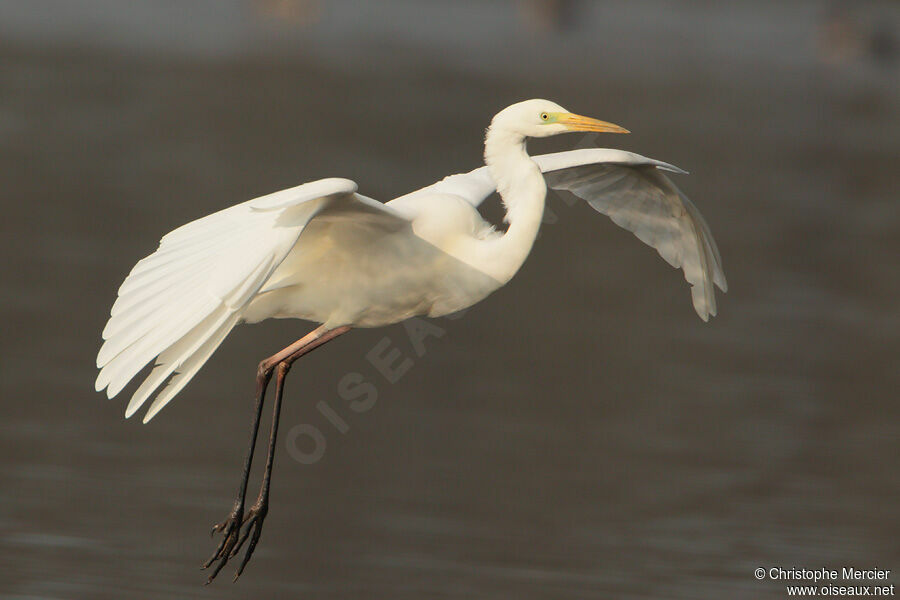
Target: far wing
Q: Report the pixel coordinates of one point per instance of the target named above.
(639, 198)
(636, 195)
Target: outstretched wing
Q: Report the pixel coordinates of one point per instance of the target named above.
(636, 195)
(179, 303)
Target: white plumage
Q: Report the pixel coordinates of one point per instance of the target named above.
(179, 303)
(322, 252)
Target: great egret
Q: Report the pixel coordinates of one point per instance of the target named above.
(324, 253)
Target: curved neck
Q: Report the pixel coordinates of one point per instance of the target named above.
(522, 188)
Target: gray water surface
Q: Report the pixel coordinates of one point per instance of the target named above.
(579, 434)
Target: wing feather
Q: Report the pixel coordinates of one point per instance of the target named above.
(190, 365)
(179, 303)
(644, 201)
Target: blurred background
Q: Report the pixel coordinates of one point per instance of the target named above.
(578, 434)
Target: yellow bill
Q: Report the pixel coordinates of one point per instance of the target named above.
(580, 123)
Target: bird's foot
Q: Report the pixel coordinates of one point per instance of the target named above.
(234, 539)
(230, 529)
(254, 522)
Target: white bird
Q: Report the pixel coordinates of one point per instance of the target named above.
(327, 254)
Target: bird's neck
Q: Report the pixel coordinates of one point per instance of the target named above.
(522, 188)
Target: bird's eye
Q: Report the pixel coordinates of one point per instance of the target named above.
(544, 116)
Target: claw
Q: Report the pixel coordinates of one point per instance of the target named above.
(215, 572)
(231, 528)
(235, 534)
(217, 528)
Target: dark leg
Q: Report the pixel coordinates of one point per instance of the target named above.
(281, 363)
(260, 508)
(231, 527)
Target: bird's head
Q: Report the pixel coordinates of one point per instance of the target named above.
(543, 118)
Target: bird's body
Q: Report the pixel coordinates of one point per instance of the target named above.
(371, 274)
(324, 253)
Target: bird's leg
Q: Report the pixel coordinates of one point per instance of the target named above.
(257, 513)
(231, 526)
(280, 363)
